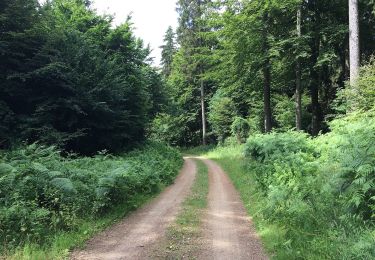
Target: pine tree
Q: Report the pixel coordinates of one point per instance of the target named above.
(168, 51)
(191, 30)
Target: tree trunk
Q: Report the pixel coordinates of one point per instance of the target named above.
(354, 41)
(266, 78)
(314, 90)
(314, 73)
(201, 71)
(267, 96)
(203, 107)
(298, 93)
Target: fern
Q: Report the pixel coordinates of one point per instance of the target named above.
(64, 184)
(42, 193)
(6, 169)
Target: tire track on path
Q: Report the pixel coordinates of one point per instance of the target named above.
(228, 231)
(135, 235)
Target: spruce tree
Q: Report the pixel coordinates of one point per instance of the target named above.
(191, 37)
(168, 50)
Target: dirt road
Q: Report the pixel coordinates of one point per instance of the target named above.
(131, 238)
(228, 231)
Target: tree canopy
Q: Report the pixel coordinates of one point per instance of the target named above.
(275, 60)
(67, 77)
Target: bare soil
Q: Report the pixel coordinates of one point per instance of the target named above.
(132, 237)
(228, 231)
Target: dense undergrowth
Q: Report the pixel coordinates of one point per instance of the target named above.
(310, 198)
(43, 194)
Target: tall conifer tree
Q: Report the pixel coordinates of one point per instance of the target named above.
(168, 50)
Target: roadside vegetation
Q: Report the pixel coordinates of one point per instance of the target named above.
(310, 198)
(77, 96)
(304, 163)
(50, 203)
(184, 238)
(267, 81)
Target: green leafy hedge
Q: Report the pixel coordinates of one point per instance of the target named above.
(42, 192)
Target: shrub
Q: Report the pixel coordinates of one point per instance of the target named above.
(276, 145)
(42, 192)
(351, 147)
(284, 112)
(322, 190)
(170, 129)
(240, 129)
(362, 97)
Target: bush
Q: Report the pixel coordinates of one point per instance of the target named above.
(362, 97)
(276, 145)
(322, 190)
(42, 193)
(240, 129)
(351, 148)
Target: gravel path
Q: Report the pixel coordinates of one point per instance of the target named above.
(132, 237)
(228, 231)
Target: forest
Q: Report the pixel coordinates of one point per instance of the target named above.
(280, 93)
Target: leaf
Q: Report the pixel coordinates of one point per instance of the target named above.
(55, 174)
(107, 182)
(39, 167)
(64, 184)
(6, 169)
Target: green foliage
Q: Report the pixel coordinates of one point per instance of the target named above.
(285, 151)
(284, 112)
(321, 191)
(168, 50)
(362, 96)
(229, 44)
(189, 68)
(351, 148)
(309, 198)
(276, 145)
(43, 193)
(170, 129)
(185, 106)
(221, 116)
(68, 78)
(240, 128)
